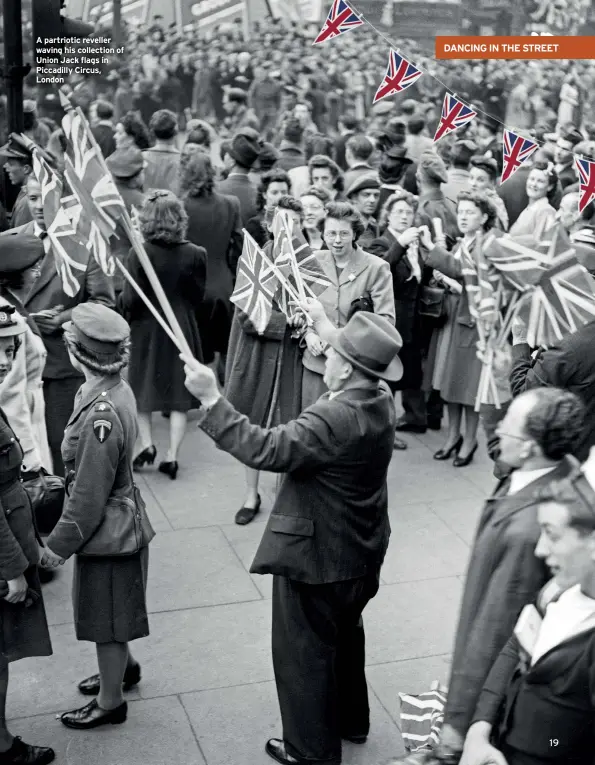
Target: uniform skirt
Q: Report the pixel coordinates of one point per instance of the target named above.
(109, 598)
(24, 629)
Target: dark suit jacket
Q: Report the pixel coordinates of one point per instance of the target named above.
(240, 186)
(571, 366)
(503, 576)
(47, 292)
(104, 135)
(553, 699)
(330, 520)
(340, 149)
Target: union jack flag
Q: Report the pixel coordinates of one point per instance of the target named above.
(294, 256)
(454, 115)
(341, 18)
(256, 284)
(586, 172)
(516, 150)
(400, 74)
(70, 253)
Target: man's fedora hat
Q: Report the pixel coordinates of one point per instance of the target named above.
(371, 344)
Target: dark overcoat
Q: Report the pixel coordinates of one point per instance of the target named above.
(156, 373)
(330, 520)
(503, 576)
(214, 222)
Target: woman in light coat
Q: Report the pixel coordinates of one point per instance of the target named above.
(354, 275)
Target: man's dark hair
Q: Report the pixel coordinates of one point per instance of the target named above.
(416, 124)
(105, 110)
(318, 144)
(164, 125)
(293, 131)
(200, 136)
(556, 421)
(349, 121)
(361, 147)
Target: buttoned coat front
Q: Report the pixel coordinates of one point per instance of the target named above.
(365, 274)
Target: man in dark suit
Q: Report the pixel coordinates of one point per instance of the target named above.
(51, 308)
(241, 154)
(102, 115)
(328, 532)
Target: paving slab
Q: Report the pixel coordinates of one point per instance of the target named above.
(233, 724)
(422, 546)
(460, 515)
(192, 568)
(157, 732)
(245, 541)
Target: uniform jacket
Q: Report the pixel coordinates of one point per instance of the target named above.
(330, 520)
(161, 171)
(18, 545)
(458, 180)
(571, 366)
(239, 185)
(20, 214)
(553, 699)
(290, 155)
(47, 292)
(365, 274)
(97, 452)
(433, 204)
(503, 576)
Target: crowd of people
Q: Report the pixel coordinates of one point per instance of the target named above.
(203, 141)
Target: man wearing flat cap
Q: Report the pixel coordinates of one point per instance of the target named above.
(328, 532)
(47, 302)
(364, 195)
(241, 154)
(18, 165)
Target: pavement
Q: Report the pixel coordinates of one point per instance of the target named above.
(207, 695)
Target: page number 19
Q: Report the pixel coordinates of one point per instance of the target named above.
(554, 742)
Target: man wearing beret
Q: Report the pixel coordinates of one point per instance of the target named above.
(328, 532)
(241, 154)
(51, 308)
(364, 194)
(18, 165)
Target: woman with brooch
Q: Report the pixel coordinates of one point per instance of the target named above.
(104, 520)
(23, 625)
(356, 278)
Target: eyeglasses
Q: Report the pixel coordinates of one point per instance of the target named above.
(157, 194)
(342, 235)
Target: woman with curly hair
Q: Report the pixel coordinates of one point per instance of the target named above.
(110, 572)
(274, 184)
(156, 373)
(539, 215)
(214, 222)
(313, 201)
(130, 132)
(459, 378)
(326, 174)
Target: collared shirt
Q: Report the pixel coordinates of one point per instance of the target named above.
(521, 478)
(570, 615)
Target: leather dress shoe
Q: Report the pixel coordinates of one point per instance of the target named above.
(21, 753)
(275, 748)
(92, 716)
(409, 427)
(90, 685)
(246, 515)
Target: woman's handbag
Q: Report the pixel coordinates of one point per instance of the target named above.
(432, 304)
(124, 530)
(46, 494)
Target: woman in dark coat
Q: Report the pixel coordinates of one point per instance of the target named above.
(398, 245)
(109, 586)
(214, 223)
(156, 373)
(23, 625)
(264, 372)
(274, 184)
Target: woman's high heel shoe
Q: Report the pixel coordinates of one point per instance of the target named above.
(464, 461)
(169, 468)
(446, 454)
(146, 457)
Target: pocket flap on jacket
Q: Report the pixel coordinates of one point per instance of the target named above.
(291, 524)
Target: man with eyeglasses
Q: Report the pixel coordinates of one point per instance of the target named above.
(536, 438)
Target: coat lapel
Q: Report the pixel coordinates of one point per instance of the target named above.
(354, 268)
(83, 401)
(48, 270)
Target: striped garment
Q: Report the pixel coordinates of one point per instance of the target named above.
(422, 717)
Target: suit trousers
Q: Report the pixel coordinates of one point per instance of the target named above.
(59, 404)
(318, 657)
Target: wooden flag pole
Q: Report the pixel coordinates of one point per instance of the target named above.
(160, 320)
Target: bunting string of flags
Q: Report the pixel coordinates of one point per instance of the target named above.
(401, 73)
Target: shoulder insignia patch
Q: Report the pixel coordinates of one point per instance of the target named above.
(102, 430)
(102, 407)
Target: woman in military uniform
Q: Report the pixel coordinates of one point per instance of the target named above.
(23, 624)
(109, 593)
